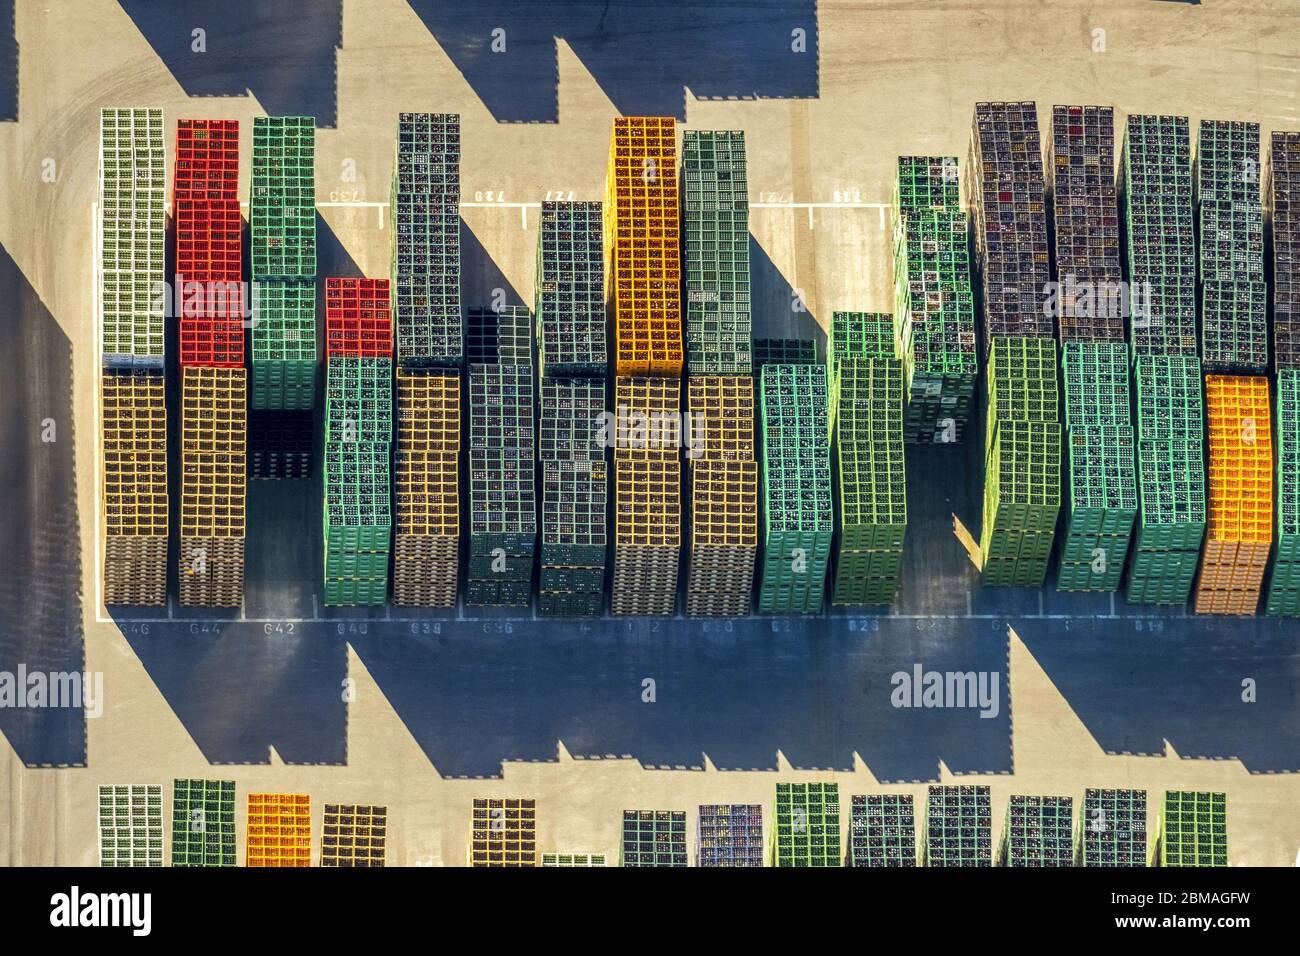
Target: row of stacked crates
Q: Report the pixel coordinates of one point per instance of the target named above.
(282, 229)
(1022, 489)
(643, 288)
(571, 346)
(934, 312)
(1156, 178)
(1091, 306)
(866, 420)
(1283, 197)
(132, 231)
(357, 525)
(214, 382)
(721, 468)
(426, 308)
(502, 465)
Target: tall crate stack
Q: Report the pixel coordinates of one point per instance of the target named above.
(282, 230)
(570, 307)
(1112, 829)
(866, 412)
(358, 439)
(798, 508)
(1102, 469)
(425, 292)
(1010, 219)
(1283, 196)
(1156, 185)
(132, 228)
(729, 835)
(214, 403)
(502, 450)
(1192, 829)
(958, 827)
(724, 495)
(934, 317)
(1091, 303)
(643, 284)
(1171, 471)
(721, 468)
(1284, 584)
(806, 825)
(1156, 181)
(1037, 832)
(1023, 436)
(1239, 530)
(1022, 484)
(1234, 295)
(653, 838)
(882, 830)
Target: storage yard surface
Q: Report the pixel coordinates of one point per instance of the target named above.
(425, 712)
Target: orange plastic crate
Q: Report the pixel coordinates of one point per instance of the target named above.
(279, 829)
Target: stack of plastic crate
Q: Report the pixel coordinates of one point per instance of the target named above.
(282, 227)
(647, 494)
(210, 306)
(1081, 154)
(134, 494)
(1010, 219)
(1156, 185)
(1234, 295)
(1112, 829)
(1283, 197)
(1284, 584)
(573, 859)
(1022, 485)
(1192, 830)
(570, 295)
(279, 830)
(934, 318)
(1102, 483)
(806, 825)
(730, 835)
(1239, 531)
(1171, 479)
(132, 227)
(426, 506)
(1091, 302)
(798, 513)
(358, 437)
(203, 823)
(503, 505)
(1039, 831)
(724, 495)
(643, 285)
(882, 830)
(653, 838)
(504, 829)
(715, 233)
(721, 468)
(353, 835)
(958, 827)
(866, 413)
(573, 531)
(213, 480)
(130, 826)
(425, 205)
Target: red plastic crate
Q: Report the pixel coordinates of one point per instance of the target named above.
(358, 318)
(207, 159)
(212, 326)
(208, 239)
